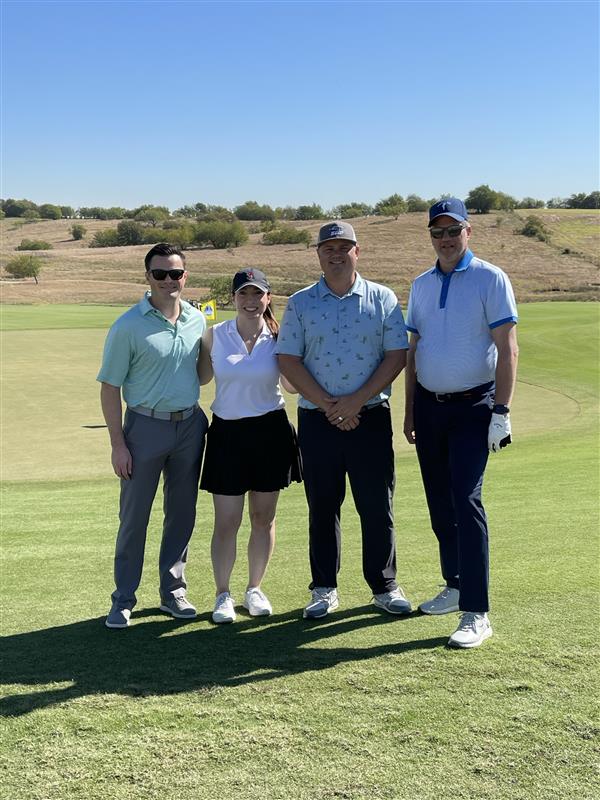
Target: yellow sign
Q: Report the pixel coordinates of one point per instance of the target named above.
(209, 309)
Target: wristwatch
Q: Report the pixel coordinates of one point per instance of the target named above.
(500, 409)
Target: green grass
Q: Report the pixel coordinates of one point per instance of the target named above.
(361, 706)
(57, 317)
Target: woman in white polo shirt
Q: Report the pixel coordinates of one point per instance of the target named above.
(251, 445)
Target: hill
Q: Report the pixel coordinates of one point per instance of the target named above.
(393, 252)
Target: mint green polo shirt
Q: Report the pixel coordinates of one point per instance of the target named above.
(152, 360)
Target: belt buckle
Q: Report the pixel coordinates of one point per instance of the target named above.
(176, 416)
(441, 397)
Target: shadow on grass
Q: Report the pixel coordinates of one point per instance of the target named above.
(145, 660)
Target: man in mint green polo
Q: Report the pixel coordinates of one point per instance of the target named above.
(150, 360)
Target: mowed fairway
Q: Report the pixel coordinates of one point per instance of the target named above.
(361, 706)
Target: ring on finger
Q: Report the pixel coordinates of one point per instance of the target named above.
(340, 419)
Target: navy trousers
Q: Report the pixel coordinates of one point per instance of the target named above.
(451, 442)
(173, 449)
(366, 456)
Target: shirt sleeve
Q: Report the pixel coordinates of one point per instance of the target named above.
(500, 305)
(411, 322)
(394, 329)
(290, 339)
(116, 358)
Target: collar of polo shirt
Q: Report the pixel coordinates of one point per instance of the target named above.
(460, 267)
(356, 288)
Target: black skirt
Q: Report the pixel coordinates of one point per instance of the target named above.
(252, 454)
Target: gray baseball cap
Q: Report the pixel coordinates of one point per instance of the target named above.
(336, 230)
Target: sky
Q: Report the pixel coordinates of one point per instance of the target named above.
(289, 103)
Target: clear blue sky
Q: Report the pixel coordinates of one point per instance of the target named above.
(124, 103)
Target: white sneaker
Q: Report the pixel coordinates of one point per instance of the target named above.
(473, 629)
(324, 599)
(443, 603)
(257, 603)
(224, 608)
(394, 602)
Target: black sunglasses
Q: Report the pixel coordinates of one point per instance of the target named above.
(161, 274)
(453, 231)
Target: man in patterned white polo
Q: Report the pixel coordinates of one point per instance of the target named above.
(341, 344)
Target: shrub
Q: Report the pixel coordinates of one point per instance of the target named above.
(313, 211)
(391, 206)
(350, 210)
(251, 210)
(216, 214)
(18, 208)
(415, 203)
(220, 234)
(535, 228)
(286, 213)
(287, 234)
(24, 267)
(530, 202)
(126, 233)
(78, 231)
(106, 238)
(219, 290)
(34, 244)
(183, 236)
(155, 235)
(130, 233)
(152, 214)
(97, 212)
(50, 211)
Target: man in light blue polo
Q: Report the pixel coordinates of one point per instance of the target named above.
(150, 356)
(341, 344)
(460, 379)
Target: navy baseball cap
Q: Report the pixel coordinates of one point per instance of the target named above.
(336, 230)
(451, 207)
(250, 277)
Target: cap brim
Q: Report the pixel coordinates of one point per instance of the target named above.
(253, 283)
(331, 238)
(457, 217)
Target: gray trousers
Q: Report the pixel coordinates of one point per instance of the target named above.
(175, 450)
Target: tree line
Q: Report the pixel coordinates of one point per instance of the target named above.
(202, 225)
(482, 199)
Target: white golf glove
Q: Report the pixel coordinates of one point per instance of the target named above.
(499, 432)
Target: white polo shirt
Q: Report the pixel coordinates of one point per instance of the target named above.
(247, 383)
(454, 314)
